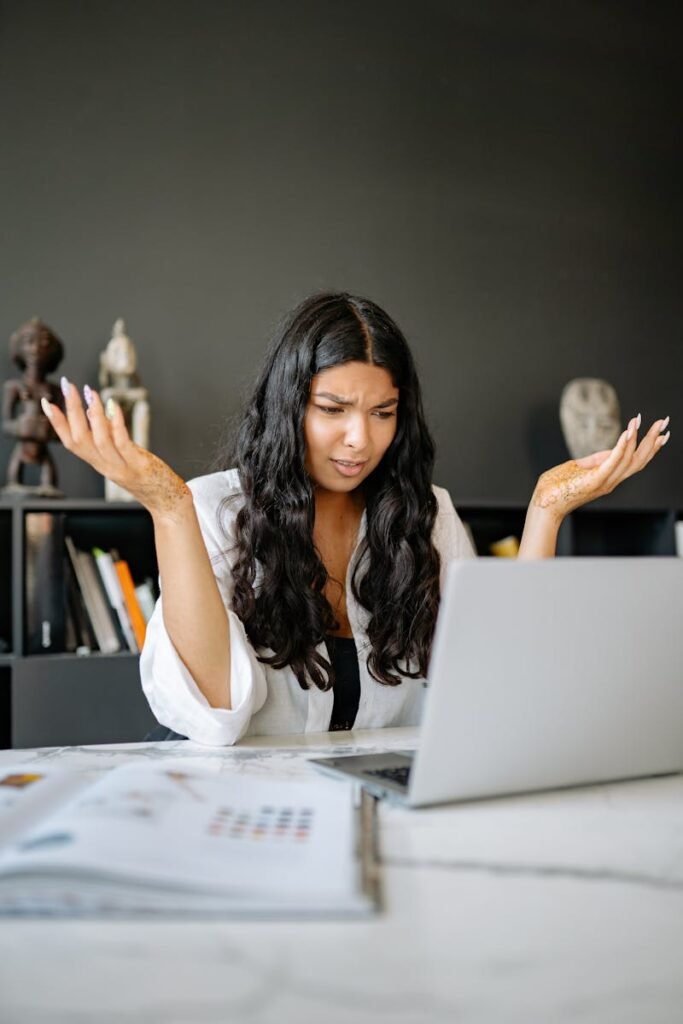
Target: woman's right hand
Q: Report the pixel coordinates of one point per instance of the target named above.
(105, 444)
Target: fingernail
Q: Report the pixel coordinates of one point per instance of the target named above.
(664, 439)
(46, 407)
(665, 424)
(87, 394)
(638, 422)
(64, 385)
(629, 432)
(109, 408)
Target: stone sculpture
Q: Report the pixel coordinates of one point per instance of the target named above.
(119, 381)
(590, 416)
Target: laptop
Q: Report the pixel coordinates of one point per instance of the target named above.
(544, 674)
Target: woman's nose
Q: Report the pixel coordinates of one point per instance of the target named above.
(356, 432)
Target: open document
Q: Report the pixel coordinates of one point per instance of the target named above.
(149, 840)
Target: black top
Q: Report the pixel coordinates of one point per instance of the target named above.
(342, 651)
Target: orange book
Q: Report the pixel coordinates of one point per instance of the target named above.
(137, 619)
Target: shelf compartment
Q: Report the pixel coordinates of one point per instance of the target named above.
(5, 706)
(623, 533)
(6, 574)
(65, 700)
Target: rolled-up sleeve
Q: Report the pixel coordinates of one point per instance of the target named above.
(172, 693)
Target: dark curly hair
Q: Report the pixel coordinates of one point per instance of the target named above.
(396, 575)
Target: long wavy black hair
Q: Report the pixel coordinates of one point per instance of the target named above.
(279, 576)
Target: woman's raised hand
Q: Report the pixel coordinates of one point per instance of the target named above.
(102, 440)
(568, 486)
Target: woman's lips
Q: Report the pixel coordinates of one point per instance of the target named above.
(347, 467)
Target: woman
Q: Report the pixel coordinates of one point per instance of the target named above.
(300, 590)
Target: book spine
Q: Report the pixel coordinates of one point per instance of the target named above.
(85, 641)
(85, 619)
(110, 580)
(98, 610)
(113, 641)
(146, 600)
(45, 586)
(137, 619)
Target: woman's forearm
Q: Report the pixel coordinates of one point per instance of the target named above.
(194, 614)
(539, 539)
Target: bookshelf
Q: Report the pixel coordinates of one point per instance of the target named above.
(588, 532)
(55, 699)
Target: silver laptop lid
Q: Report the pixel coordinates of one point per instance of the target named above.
(552, 673)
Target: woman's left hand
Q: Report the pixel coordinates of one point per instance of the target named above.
(568, 486)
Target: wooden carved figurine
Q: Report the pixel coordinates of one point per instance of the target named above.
(37, 351)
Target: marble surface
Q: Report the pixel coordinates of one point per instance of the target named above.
(564, 906)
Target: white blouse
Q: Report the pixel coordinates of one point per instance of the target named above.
(268, 701)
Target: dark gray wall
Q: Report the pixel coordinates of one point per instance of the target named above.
(504, 177)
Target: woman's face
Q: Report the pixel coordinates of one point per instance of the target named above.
(350, 422)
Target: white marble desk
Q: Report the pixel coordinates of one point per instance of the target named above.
(552, 908)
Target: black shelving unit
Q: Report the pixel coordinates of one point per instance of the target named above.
(587, 532)
(60, 699)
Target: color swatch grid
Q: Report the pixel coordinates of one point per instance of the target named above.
(279, 824)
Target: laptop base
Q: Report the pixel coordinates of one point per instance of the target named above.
(383, 775)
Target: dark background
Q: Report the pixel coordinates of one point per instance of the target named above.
(504, 177)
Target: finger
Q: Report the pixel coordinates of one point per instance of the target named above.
(78, 425)
(618, 469)
(59, 422)
(617, 459)
(647, 449)
(650, 445)
(101, 430)
(119, 430)
(596, 459)
(660, 439)
(78, 441)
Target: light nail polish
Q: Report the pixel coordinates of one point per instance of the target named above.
(46, 407)
(629, 432)
(638, 421)
(665, 438)
(64, 385)
(109, 408)
(665, 424)
(87, 394)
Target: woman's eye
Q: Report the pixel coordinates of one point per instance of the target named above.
(384, 415)
(330, 409)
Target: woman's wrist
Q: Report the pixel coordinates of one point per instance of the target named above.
(541, 526)
(176, 507)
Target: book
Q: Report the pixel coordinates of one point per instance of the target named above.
(137, 619)
(145, 595)
(112, 586)
(45, 585)
(147, 840)
(112, 617)
(98, 610)
(45, 588)
(84, 641)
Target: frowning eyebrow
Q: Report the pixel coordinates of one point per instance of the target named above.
(347, 401)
